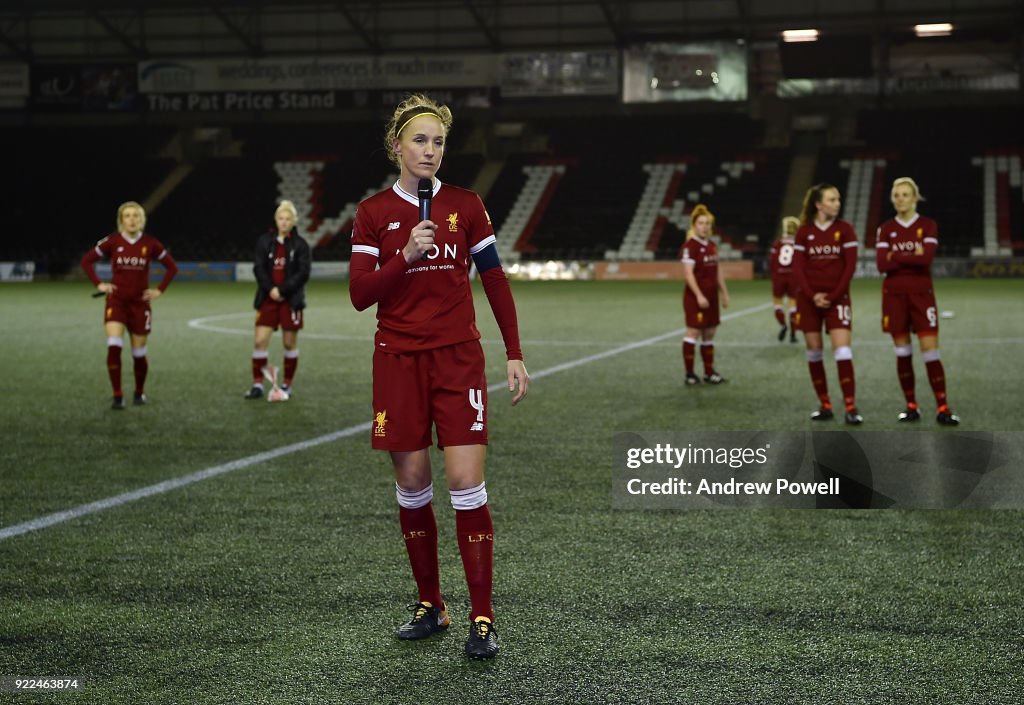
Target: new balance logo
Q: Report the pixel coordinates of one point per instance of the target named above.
(477, 426)
(394, 226)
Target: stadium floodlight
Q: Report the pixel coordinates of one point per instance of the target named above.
(939, 29)
(800, 35)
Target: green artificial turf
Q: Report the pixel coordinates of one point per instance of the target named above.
(283, 580)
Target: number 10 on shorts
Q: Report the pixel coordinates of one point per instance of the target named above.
(845, 313)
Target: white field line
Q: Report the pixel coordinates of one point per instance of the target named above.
(174, 483)
(185, 480)
(207, 323)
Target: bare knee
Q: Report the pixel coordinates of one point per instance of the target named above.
(412, 469)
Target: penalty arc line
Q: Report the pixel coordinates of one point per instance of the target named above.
(207, 324)
(81, 510)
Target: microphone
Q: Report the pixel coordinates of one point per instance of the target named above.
(426, 192)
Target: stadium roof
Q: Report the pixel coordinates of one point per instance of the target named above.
(70, 30)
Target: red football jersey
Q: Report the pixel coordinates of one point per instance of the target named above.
(780, 261)
(433, 304)
(703, 255)
(904, 252)
(825, 257)
(129, 263)
(280, 257)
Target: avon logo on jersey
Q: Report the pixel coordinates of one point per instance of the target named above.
(451, 251)
(709, 258)
(824, 250)
(130, 261)
(279, 262)
(904, 246)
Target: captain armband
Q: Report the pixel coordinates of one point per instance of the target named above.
(486, 258)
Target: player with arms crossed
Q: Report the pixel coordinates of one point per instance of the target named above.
(823, 265)
(704, 280)
(428, 365)
(128, 294)
(780, 265)
(904, 249)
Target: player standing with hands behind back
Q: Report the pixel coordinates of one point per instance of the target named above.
(823, 265)
(128, 293)
(704, 281)
(904, 252)
(428, 365)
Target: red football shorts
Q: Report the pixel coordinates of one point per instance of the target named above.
(444, 387)
(136, 315)
(903, 313)
(278, 313)
(783, 285)
(697, 317)
(810, 318)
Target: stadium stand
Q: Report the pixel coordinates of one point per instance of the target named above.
(967, 166)
(502, 196)
(610, 198)
(611, 186)
(220, 208)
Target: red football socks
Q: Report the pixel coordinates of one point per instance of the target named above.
(114, 368)
(707, 355)
(419, 528)
(140, 367)
(688, 353)
(258, 363)
(476, 544)
(905, 371)
(847, 383)
(937, 378)
(290, 364)
(818, 379)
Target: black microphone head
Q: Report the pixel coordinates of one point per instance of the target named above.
(425, 191)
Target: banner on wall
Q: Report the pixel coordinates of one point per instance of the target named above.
(317, 73)
(94, 87)
(559, 73)
(239, 101)
(985, 68)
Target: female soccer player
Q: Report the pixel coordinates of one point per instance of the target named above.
(780, 265)
(128, 293)
(704, 281)
(823, 265)
(281, 265)
(428, 366)
(904, 249)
